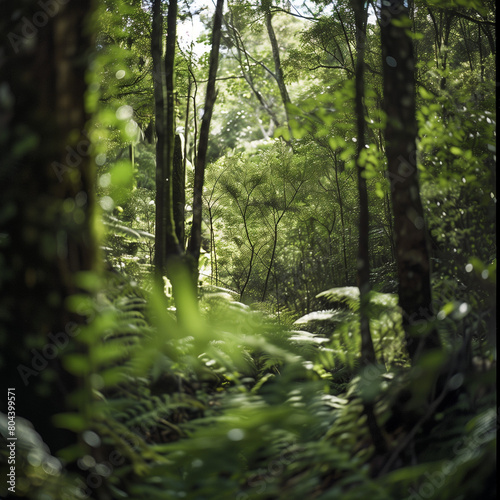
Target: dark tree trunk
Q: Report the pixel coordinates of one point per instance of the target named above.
(47, 198)
(412, 253)
(363, 263)
(159, 91)
(166, 241)
(194, 247)
(179, 192)
(342, 219)
(172, 247)
(278, 70)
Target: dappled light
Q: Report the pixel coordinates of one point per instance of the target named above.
(248, 250)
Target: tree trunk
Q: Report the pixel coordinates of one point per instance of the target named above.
(245, 63)
(363, 263)
(48, 203)
(342, 220)
(278, 70)
(194, 247)
(213, 253)
(172, 247)
(412, 252)
(447, 28)
(159, 91)
(179, 192)
(166, 241)
(271, 260)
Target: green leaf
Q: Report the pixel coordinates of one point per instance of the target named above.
(71, 421)
(298, 131)
(346, 154)
(425, 93)
(379, 190)
(27, 143)
(282, 132)
(414, 35)
(88, 280)
(77, 364)
(122, 174)
(402, 22)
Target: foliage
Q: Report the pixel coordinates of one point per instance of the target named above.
(339, 320)
(256, 389)
(230, 402)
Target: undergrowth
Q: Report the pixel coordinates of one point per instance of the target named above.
(221, 402)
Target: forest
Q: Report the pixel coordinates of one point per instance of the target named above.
(248, 249)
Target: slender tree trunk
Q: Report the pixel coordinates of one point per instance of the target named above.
(179, 192)
(48, 207)
(245, 65)
(166, 240)
(342, 219)
(278, 69)
(271, 260)
(249, 272)
(195, 118)
(172, 246)
(131, 154)
(480, 45)
(390, 236)
(213, 255)
(412, 252)
(363, 263)
(186, 126)
(159, 92)
(466, 38)
(448, 18)
(277, 219)
(194, 247)
(253, 253)
(278, 306)
(489, 36)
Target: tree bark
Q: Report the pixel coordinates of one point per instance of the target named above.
(342, 220)
(166, 240)
(363, 263)
(194, 247)
(278, 69)
(179, 192)
(412, 252)
(172, 246)
(48, 206)
(159, 91)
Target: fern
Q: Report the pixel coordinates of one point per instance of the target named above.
(340, 322)
(233, 402)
